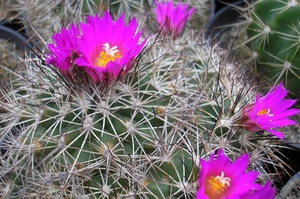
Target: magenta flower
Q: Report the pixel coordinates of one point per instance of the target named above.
(221, 179)
(171, 18)
(108, 48)
(63, 48)
(104, 49)
(269, 112)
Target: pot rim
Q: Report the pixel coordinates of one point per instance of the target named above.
(14, 36)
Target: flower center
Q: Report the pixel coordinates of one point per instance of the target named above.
(264, 111)
(108, 54)
(215, 186)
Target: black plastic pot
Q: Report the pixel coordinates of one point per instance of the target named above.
(223, 15)
(290, 188)
(15, 32)
(290, 155)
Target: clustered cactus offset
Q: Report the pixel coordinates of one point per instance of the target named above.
(273, 39)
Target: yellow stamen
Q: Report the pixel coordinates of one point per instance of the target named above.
(37, 147)
(107, 54)
(264, 111)
(216, 185)
(160, 110)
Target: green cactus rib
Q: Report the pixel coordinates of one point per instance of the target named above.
(274, 34)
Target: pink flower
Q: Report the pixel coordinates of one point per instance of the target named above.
(63, 48)
(108, 48)
(269, 112)
(101, 49)
(221, 179)
(170, 18)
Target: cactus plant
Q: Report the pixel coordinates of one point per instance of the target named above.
(140, 135)
(273, 39)
(125, 140)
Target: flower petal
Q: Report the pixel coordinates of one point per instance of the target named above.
(270, 111)
(218, 178)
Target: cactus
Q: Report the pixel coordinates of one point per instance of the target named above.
(141, 136)
(126, 141)
(273, 39)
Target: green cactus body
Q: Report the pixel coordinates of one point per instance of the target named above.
(274, 39)
(126, 141)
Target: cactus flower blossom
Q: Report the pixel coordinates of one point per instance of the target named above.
(65, 44)
(269, 112)
(171, 18)
(102, 48)
(221, 179)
